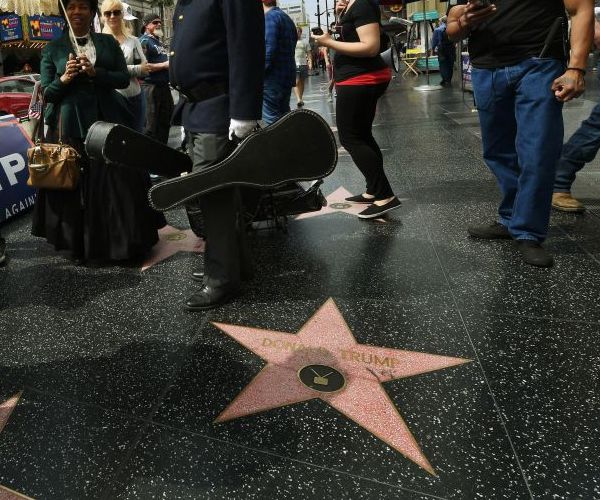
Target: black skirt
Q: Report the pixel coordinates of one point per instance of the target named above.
(107, 218)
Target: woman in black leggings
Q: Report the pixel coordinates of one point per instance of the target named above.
(361, 78)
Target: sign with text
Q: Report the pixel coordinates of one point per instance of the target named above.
(15, 195)
(11, 28)
(45, 27)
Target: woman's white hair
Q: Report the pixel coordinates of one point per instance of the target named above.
(114, 5)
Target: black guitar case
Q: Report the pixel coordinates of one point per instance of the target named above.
(298, 147)
(120, 145)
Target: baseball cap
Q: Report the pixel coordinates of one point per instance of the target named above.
(148, 18)
(127, 13)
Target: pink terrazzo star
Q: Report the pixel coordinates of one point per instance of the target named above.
(8, 494)
(324, 361)
(171, 241)
(336, 202)
(6, 410)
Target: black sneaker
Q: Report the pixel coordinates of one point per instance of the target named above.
(534, 254)
(359, 198)
(2, 251)
(373, 211)
(495, 231)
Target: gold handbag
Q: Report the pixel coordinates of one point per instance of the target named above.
(52, 166)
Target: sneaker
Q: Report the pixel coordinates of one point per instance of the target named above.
(495, 231)
(566, 203)
(359, 198)
(534, 254)
(300, 104)
(373, 211)
(2, 251)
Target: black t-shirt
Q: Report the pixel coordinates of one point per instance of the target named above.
(517, 31)
(361, 12)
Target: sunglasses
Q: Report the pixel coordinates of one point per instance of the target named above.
(110, 13)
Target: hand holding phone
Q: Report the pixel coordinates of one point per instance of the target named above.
(477, 12)
(317, 31)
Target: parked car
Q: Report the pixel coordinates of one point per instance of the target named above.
(15, 94)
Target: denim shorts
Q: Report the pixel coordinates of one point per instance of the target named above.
(302, 71)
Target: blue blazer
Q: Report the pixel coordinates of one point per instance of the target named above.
(219, 41)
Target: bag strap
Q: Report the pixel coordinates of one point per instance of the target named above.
(40, 136)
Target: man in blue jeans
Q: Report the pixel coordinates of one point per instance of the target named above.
(580, 149)
(280, 63)
(520, 80)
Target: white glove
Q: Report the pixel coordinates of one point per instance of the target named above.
(241, 128)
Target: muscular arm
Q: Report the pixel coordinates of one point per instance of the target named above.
(582, 30)
(454, 31)
(572, 84)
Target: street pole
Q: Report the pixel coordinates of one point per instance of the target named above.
(327, 14)
(319, 14)
(427, 87)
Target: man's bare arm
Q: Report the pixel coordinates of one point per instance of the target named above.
(572, 83)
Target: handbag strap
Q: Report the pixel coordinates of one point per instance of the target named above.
(40, 135)
(39, 131)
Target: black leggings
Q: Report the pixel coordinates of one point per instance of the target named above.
(356, 105)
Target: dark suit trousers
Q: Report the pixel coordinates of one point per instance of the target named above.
(226, 253)
(159, 109)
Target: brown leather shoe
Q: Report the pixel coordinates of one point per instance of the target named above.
(566, 203)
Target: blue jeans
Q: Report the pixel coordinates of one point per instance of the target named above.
(137, 107)
(276, 102)
(580, 149)
(446, 59)
(522, 131)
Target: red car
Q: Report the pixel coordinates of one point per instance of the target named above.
(15, 95)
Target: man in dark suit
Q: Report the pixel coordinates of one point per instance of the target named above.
(217, 63)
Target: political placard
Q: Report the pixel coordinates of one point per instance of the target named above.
(15, 195)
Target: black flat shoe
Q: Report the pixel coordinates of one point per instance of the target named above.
(374, 211)
(210, 298)
(359, 198)
(534, 254)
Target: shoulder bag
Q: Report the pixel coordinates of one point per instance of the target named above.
(52, 166)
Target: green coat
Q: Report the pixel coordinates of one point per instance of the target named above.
(85, 100)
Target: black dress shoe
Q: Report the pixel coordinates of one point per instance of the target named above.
(495, 231)
(359, 198)
(534, 254)
(198, 276)
(209, 298)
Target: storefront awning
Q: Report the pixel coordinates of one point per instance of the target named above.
(30, 7)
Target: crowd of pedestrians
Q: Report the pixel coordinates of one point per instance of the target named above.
(235, 63)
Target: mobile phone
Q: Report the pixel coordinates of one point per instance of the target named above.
(317, 31)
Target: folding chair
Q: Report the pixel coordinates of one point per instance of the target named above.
(411, 58)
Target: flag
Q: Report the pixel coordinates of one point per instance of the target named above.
(35, 111)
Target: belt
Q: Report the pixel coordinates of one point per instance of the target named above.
(204, 91)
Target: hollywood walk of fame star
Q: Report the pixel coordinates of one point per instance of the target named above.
(324, 361)
(170, 241)
(6, 410)
(336, 202)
